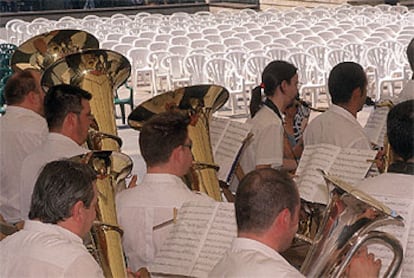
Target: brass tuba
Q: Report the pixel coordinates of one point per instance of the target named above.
(349, 221)
(71, 57)
(199, 101)
(99, 72)
(105, 245)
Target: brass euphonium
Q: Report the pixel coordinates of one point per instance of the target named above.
(349, 222)
(199, 102)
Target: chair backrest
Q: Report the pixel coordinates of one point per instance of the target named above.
(254, 67)
(180, 40)
(122, 48)
(358, 51)
(162, 38)
(199, 43)
(182, 50)
(307, 70)
(238, 58)
(142, 42)
(253, 45)
(158, 45)
(173, 63)
(220, 71)
(277, 53)
(139, 57)
(193, 66)
(379, 58)
(336, 56)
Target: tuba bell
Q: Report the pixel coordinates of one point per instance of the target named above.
(99, 72)
(40, 51)
(199, 102)
(349, 222)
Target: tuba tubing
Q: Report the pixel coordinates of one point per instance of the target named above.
(349, 221)
(376, 237)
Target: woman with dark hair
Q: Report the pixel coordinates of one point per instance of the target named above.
(269, 101)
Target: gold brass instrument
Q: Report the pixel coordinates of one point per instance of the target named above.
(349, 222)
(99, 72)
(200, 102)
(41, 51)
(111, 168)
(72, 57)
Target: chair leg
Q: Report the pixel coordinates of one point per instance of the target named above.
(122, 106)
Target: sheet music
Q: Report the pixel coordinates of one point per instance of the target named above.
(405, 208)
(203, 232)
(351, 164)
(310, 183)
(347, 164)
(227, 138)
(376, 125)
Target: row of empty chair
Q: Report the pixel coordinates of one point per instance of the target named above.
(168, 51)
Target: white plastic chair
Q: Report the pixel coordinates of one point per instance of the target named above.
(277, 53)
(381, 59)
(180, 40)
(193, 66)
(159, 74)
(223, 72)
(140, 65)
(182, 50)
(312, 79)
(176, 77)
(142, 42)
(253, 69)
(158, 46)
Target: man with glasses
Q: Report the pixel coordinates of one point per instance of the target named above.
(23, 129)
(68, 115)
(146, 211)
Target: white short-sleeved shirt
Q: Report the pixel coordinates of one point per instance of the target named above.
(57, 146)
(145, 206)
(46, 250)
(392, 188)
(266, 145)
(22, 131)
(250, 258)
(336, 127)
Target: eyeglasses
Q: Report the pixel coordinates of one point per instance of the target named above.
(189, 145)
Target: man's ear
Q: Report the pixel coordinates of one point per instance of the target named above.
(77, 211)
(176, 154)
(284, 218)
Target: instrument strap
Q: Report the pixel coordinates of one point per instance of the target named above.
(274, 108)
(402, 167)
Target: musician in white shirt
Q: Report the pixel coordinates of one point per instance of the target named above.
(68, 114)
(61, 213)
(267, 213)
(145, 211)
(398, 182)
(23, 129)
(280, 88)
(339, 126)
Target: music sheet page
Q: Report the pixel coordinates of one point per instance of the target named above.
(351, 164)
(405, 208)
(347, 164)
(310, 182)
(376, 125)
(228, 137)
(203, 232)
